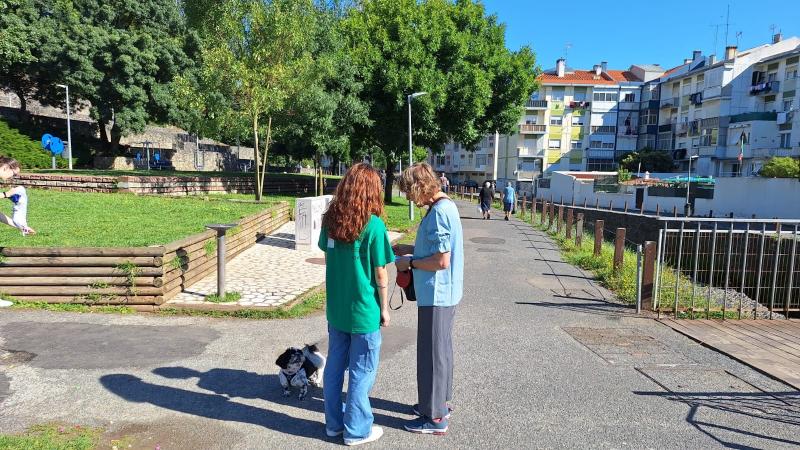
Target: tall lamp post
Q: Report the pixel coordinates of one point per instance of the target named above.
(410, 147)
(69, 128)
(687, 209)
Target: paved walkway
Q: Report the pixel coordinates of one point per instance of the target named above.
(541, 362)
(268, 274)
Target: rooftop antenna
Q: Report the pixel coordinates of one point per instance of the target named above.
(727, 23)
(772, 29)
(738, 35)
(567, 46)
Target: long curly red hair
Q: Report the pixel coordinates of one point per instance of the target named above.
(358, 196)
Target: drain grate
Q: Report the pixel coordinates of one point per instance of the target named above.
(625, 346)
(488, 240)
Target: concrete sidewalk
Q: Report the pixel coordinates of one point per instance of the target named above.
(542, 361)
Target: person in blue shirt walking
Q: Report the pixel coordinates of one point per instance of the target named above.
(438, 266)
(509, 199)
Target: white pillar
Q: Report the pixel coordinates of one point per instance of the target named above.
(496, 153)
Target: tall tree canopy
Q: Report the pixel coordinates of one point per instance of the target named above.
(451, 50)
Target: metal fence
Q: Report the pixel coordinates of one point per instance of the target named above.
(729, 268)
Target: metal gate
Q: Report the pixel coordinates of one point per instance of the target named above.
(729, 268)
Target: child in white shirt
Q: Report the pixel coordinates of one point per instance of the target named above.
(19, 210)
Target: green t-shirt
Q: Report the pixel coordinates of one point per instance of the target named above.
(353, 297)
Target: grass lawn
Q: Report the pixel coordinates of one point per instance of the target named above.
(52, 437)
(76, 219)
(397, 215)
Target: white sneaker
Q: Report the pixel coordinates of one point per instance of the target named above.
(5, 303)
(374, 435)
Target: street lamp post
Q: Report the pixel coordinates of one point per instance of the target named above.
(410, 147)
(687, 209)
(69, 128)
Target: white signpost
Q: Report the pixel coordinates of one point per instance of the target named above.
(308, 221)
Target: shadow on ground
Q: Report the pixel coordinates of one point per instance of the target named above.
(225, 386)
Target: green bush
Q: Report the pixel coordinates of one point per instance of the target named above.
(781, 167)
(28, 152)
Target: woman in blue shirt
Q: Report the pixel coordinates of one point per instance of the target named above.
(438, 265)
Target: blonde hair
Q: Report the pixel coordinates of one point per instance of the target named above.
(419, 182)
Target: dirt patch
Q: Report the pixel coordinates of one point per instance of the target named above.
(172, 434)
(488, 240)
(491, 250)
(625, 346)
(5, 389)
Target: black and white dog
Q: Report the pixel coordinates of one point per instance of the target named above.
(299, 368)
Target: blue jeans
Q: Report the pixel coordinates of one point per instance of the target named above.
(358, 354)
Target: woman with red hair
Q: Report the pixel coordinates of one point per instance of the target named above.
(357, 250)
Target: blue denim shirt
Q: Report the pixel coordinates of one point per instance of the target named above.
(439, 232)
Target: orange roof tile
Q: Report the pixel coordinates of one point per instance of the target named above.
(588, 77)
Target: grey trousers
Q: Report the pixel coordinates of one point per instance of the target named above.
(435, 359)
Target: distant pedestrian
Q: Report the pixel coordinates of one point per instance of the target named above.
(485, 199)
(438, 268)
(509, 199)
(445, 183)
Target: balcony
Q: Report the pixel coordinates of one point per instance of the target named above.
(765, 88)
(629, 106)
(580, 104)
(605, 129)
(790, 84)
(671, 102)
(650, 104)
(665, 128)
(712, 92)
(528, 152)
(696, 99)
(596, 153)
(536, 104)
(754, 116)
(528, 128)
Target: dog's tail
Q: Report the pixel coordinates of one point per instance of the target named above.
(313, 355)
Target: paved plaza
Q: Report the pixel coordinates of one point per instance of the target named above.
(268, 274)
(544, 358)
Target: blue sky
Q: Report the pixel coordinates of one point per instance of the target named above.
(625, 32)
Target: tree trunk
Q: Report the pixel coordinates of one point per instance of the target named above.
(101, 125)
(266, 155)
(257, 157)
(23, 102)
(387, 193)
(116, 136)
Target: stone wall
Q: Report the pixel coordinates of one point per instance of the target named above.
(64, 182)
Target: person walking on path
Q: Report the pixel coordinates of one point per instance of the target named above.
(509, 199)
(438, 267)
(357, 250)
(485, 199)
(445, 183)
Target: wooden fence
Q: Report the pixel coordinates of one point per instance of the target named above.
(125, 276)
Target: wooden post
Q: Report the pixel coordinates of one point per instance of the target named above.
(597, 203)
(524, 198)
(569, 223)
(658, 209)
(626, 207)
(674, 210)
(598, 236)
(610, 205)
(619, 249)
(579, 230)
(543, 213)
(551, 215)
(560, 222)
(648, 274)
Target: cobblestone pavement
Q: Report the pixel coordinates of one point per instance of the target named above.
(270, 273)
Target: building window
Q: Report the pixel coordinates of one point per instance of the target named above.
(595, 144)
(630, 97)
(791, 72)
(480, 160)
(579, 94)
(575, 145)
(554, 143)
(787, 105)
(608, 145)
(577, 120)
(532, 121)
(786, 140)
(605, 96)
(557, 93)
(556, 120)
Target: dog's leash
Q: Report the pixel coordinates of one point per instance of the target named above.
(391, 296)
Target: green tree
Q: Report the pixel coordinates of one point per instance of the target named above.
(119, 55)
(781, 167)
(451, 50)
(19, 43)
(650, 160)
(255, 56)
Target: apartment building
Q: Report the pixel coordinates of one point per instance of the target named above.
(709, 107)
(728, 115)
